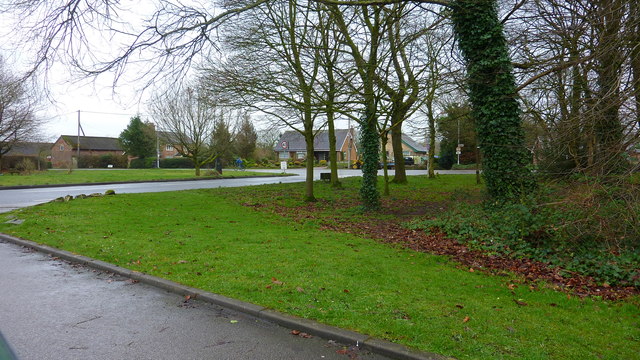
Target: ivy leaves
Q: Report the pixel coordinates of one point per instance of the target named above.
(493, 98)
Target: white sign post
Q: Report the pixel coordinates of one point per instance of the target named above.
(283, 166)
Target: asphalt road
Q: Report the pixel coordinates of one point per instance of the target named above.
(50, 309)
(18, 198)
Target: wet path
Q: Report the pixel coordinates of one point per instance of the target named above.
(50, 309)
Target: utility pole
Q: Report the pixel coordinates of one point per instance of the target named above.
(78, 142)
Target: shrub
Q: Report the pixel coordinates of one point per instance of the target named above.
(248, 163)
(12, 162)
(322, 163)
(143, 163)
(102, 161)
(464, 167)
(177, 163)
(26, 166)
(594, 230)
(446, 160)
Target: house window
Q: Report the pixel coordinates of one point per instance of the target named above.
(284, 155)
(301, 155)
(61, 147)
(169, 147)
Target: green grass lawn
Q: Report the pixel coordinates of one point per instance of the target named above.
(236, 242)
(52, 177)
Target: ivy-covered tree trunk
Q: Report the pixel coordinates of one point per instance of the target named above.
(370, 156)
(493, 99)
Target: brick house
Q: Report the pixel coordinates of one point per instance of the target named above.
(65, 150)
(167, 147)
(293, 146)
(410, 148)
(37, 152)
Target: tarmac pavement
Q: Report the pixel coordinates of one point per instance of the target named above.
(51, 309)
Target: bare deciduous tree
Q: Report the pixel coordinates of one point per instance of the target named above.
(187, 120)
(577, 61)
(275, 67)
(17, 105)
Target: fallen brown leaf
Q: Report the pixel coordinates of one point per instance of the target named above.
(521, 303)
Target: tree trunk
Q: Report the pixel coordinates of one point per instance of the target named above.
(333, 156)
(478, 163)
(432, 142)
(493, 99)
(384, 139)
(397, 118)
(308, 185)
(608, 127)
(370, 151)
(634, 25)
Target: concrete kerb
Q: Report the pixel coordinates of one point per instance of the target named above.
(343, 336)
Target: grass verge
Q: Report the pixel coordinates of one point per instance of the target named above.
(238, 243)
(56, 177)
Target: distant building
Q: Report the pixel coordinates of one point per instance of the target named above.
(38, 152)
(292, 146)
(410, 148)
(64, 151)
(167, 145)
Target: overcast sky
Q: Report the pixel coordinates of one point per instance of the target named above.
(104, 111)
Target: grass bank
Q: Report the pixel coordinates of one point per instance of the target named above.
(256, 244)
(56, 177)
